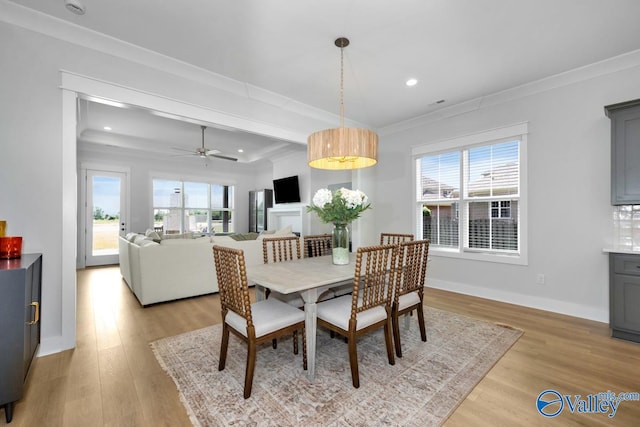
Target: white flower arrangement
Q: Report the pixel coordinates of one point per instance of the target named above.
(340, 207)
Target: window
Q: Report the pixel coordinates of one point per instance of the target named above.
(470, 196)
(182, 206)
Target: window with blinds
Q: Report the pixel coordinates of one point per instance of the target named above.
(470, 197)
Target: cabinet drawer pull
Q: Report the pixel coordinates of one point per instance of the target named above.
(37, 314)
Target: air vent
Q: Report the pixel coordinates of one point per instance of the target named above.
(74, 6)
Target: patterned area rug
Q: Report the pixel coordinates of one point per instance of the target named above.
(422, 389)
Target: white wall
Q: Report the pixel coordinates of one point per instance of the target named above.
(38, 190)
(570, 216)
(568, 164)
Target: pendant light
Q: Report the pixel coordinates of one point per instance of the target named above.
(342, 148)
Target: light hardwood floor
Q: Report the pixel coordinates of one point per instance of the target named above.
(113, 379)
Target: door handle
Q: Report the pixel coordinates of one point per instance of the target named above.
(37, 313)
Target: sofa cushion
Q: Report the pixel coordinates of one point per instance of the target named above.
(131, 236)
(188, 235)
(244, 236)
(221, 240)
(172, 242)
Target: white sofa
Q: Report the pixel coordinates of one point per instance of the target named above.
(176, 268)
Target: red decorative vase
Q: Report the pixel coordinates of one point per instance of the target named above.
(10, 247)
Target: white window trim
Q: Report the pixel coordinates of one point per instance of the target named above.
(181, 178)
(519, 131)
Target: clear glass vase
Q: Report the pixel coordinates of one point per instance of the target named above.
(340, 244)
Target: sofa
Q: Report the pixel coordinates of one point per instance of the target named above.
(165, 268)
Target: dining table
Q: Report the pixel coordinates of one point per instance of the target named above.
(308, 276)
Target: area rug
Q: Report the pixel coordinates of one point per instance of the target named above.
(422, 389)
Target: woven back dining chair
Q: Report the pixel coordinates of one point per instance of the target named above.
(320, 245)
(394, 238)
(409, 290)
(368, 307)
(278, 249)
(254, 323)
(317, 245)
(281, 249)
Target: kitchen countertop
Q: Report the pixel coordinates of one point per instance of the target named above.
(622, 249)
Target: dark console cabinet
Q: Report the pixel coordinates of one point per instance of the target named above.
(20, 291)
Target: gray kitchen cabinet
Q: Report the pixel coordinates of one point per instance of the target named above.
(624, 296)
(625, 152)
(20, 291)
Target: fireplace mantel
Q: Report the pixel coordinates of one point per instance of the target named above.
(290, 214)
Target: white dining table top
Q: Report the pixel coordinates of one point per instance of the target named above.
(301, 274)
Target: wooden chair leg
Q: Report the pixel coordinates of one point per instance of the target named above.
(274, 343)
(224, 345)
(251, 364)
(396, 332)
(388, 341)
(295, 342)
(423, 331)
(353, 360)
(304, 349)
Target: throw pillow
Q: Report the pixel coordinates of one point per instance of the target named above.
(284, 232)
(154, 235)
(140, 238)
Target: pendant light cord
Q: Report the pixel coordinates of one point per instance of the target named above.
(342, 85)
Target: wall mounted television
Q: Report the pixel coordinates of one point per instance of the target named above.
(286, 190)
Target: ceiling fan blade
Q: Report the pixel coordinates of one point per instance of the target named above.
(183, 149)
(219, 156)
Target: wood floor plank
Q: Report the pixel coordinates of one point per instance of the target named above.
(113, 379)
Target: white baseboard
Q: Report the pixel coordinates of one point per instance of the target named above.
(53, 345)
(540, 303)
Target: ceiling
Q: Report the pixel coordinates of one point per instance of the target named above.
(458, 50)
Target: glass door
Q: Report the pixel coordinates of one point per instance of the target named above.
(105, 219)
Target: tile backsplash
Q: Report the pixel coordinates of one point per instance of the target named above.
(626, 226)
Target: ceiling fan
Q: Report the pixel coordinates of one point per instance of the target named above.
(204, 152)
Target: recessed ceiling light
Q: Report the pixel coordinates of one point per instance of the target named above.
(107, 128)
(240, 150)
(411, 82)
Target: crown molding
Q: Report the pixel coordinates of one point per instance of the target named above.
(48, 25)
(587, 72)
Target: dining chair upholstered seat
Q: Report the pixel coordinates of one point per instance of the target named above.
(369, 305)
(338, 312)
(268, 315)
(255, 323)
(394, 238)
(409, 290)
